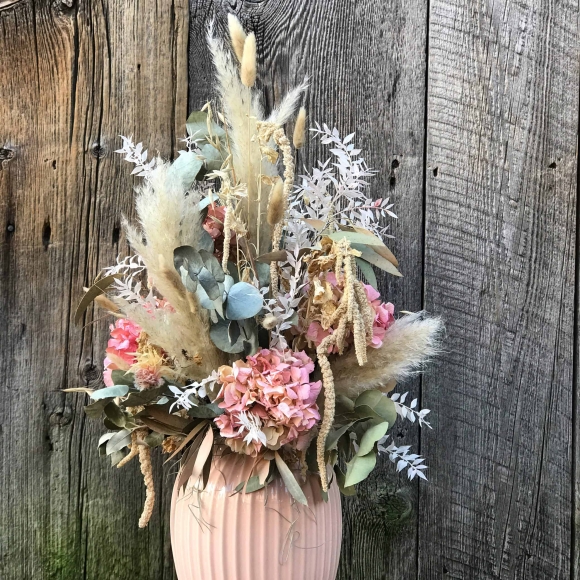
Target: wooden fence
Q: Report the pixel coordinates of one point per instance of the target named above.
(468, 110)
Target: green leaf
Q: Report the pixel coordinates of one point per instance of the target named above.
(154, 439)
(196, 126)
(243, 301)
(102, 447)
(371, 436)
(189, 258)
(108, 392)
(220, 337)
(205, 411)
(184, 170)
(206, 242)
(117, 457)
(95, 410)
(253, 484)
(123, 378)
(347, 491)
(234, 331)
(371, 255)
(136, 399)
(336, 434)
(368, 272)
(115, 415)
(359, 467)
(212, 264)
(263, 271)
(118, 441)
(289, 480)
(379, 403)
(98, 288)
(209, 284)
(212, 157)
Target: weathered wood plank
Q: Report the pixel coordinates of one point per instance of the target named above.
(73, 76)
(366, 63)
(500, 250)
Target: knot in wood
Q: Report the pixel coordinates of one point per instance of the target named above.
(6, 155)
(99, 150)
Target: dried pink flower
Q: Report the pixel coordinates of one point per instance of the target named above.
(268, 401)
(122, 347)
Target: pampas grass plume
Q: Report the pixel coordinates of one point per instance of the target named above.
(408, 344)
(299, 136)
(276, 204)
(237, 35)
(248, 72)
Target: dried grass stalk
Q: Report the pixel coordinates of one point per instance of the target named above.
(147, 471)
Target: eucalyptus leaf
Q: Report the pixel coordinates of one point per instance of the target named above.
(371, 255)
(120, 377)
(359, 467)
(233, 272)
(289, 480)
(212, 157)
(206, 242)
(263, 271)
(253, 484)
(95, 410)
(233, 332)
(196, 126)
(209, 284)
(118, 441)
(189, 258)
(212, 264)
(102, 443)
(154, 439)
(117, 457)
(184, 170)
(243, 301)
(98, 288)
(336, 434)
(220, 337)
(371, 436)
(205, 411)
(115, 415)
(145, 397)
(379, 403)
(108, 392)
(340, 478)
(368, 272)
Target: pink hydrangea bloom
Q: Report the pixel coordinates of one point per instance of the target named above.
(122, 347)
(268, 400)
(384, 316)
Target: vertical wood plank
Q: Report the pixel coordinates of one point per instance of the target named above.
(366, 64)
(500, 252)
(73, 75)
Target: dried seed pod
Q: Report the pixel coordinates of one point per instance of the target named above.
(237, 35)
(276, 204)
(299, 136)
(248, 72)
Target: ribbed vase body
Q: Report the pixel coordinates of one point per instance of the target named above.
(264, 535)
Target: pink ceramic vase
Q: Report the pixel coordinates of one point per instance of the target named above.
(264, 535)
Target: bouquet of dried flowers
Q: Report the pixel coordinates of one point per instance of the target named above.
(248, 318)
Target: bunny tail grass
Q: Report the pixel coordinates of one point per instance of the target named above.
(408, 344)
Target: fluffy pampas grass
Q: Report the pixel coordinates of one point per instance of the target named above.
(242, 109)
(408, 344)
(169, 217)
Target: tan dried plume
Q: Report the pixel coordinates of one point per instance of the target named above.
(299, 136)
(249, 71)
(237, 36)
(408, 344)
(276, 204)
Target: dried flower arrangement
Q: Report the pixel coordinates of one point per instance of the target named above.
(242, 321)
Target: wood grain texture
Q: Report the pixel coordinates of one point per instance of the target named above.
(73, 75)
(366, 64)
(500, 252)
